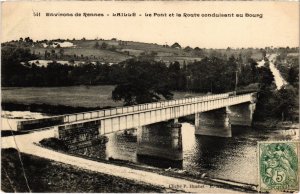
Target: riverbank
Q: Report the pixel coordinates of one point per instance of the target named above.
(28, 144)
(47, 108)
(276, 124)
(196, 177)
(49, 176)
(216, 160)
(88, 97)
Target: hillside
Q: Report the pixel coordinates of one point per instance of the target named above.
(115, 51)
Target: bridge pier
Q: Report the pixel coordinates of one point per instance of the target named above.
(162, 140)
(241, 114)
(213, 123)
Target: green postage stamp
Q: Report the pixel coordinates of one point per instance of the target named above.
(278, 166)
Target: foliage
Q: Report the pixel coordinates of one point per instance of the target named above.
(289, 69)
(144, 82)
(104, 45)
(177, 77)
(176, 45)
(12, 72)
(285, 103)
(96, 45)
(54, 143)
(272, 103)
(188, 49)
(212, 74)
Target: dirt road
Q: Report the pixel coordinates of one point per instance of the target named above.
(27, 144)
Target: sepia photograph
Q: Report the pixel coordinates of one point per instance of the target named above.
(149, 96)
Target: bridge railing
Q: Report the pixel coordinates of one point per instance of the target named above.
(139, 107)
(68, 118)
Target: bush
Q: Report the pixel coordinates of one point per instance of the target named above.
(54, 143)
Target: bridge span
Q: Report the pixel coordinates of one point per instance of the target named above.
(214, 115)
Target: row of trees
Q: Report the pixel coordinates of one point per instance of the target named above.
(211, 74)
(143, 79)
(281, 104)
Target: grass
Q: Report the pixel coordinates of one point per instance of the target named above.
(48, 176)
(88, 50)
(74, 96)
(92, 53)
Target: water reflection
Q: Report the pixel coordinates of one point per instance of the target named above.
(227, 158)
(160, 163)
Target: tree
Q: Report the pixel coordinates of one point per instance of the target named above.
(263, 52)
(176, 45)
(286, 102)
(96, 45)
(113, 48)
(265, 77)
(104, 45)
(47, 54)
(145, 82)
(198, 51)
(61, 52)
(28, 40)
(177, 77)
(188, 49)
(293, 76)
(13, 72)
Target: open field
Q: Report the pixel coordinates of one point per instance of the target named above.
(75, 96)
(92, 53)
(146, 47)
(121, 49)
(293, 54)
(48, 176)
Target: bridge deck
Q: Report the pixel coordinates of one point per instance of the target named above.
(131, 110)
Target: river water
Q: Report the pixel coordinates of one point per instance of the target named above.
(231, 158)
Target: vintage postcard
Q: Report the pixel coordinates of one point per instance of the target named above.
(149, 96)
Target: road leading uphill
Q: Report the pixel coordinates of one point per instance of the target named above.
(279, 80)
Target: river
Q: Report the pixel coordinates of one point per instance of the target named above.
(224, 158)
(231, 158)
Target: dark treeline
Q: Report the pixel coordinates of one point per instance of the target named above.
(212, 74)
(282, 104)
(288, 65)
(142, 79)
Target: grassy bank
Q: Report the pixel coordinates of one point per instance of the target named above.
(49, 176)
(46, 108)
(73, 96)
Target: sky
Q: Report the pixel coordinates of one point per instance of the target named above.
(279, 25)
